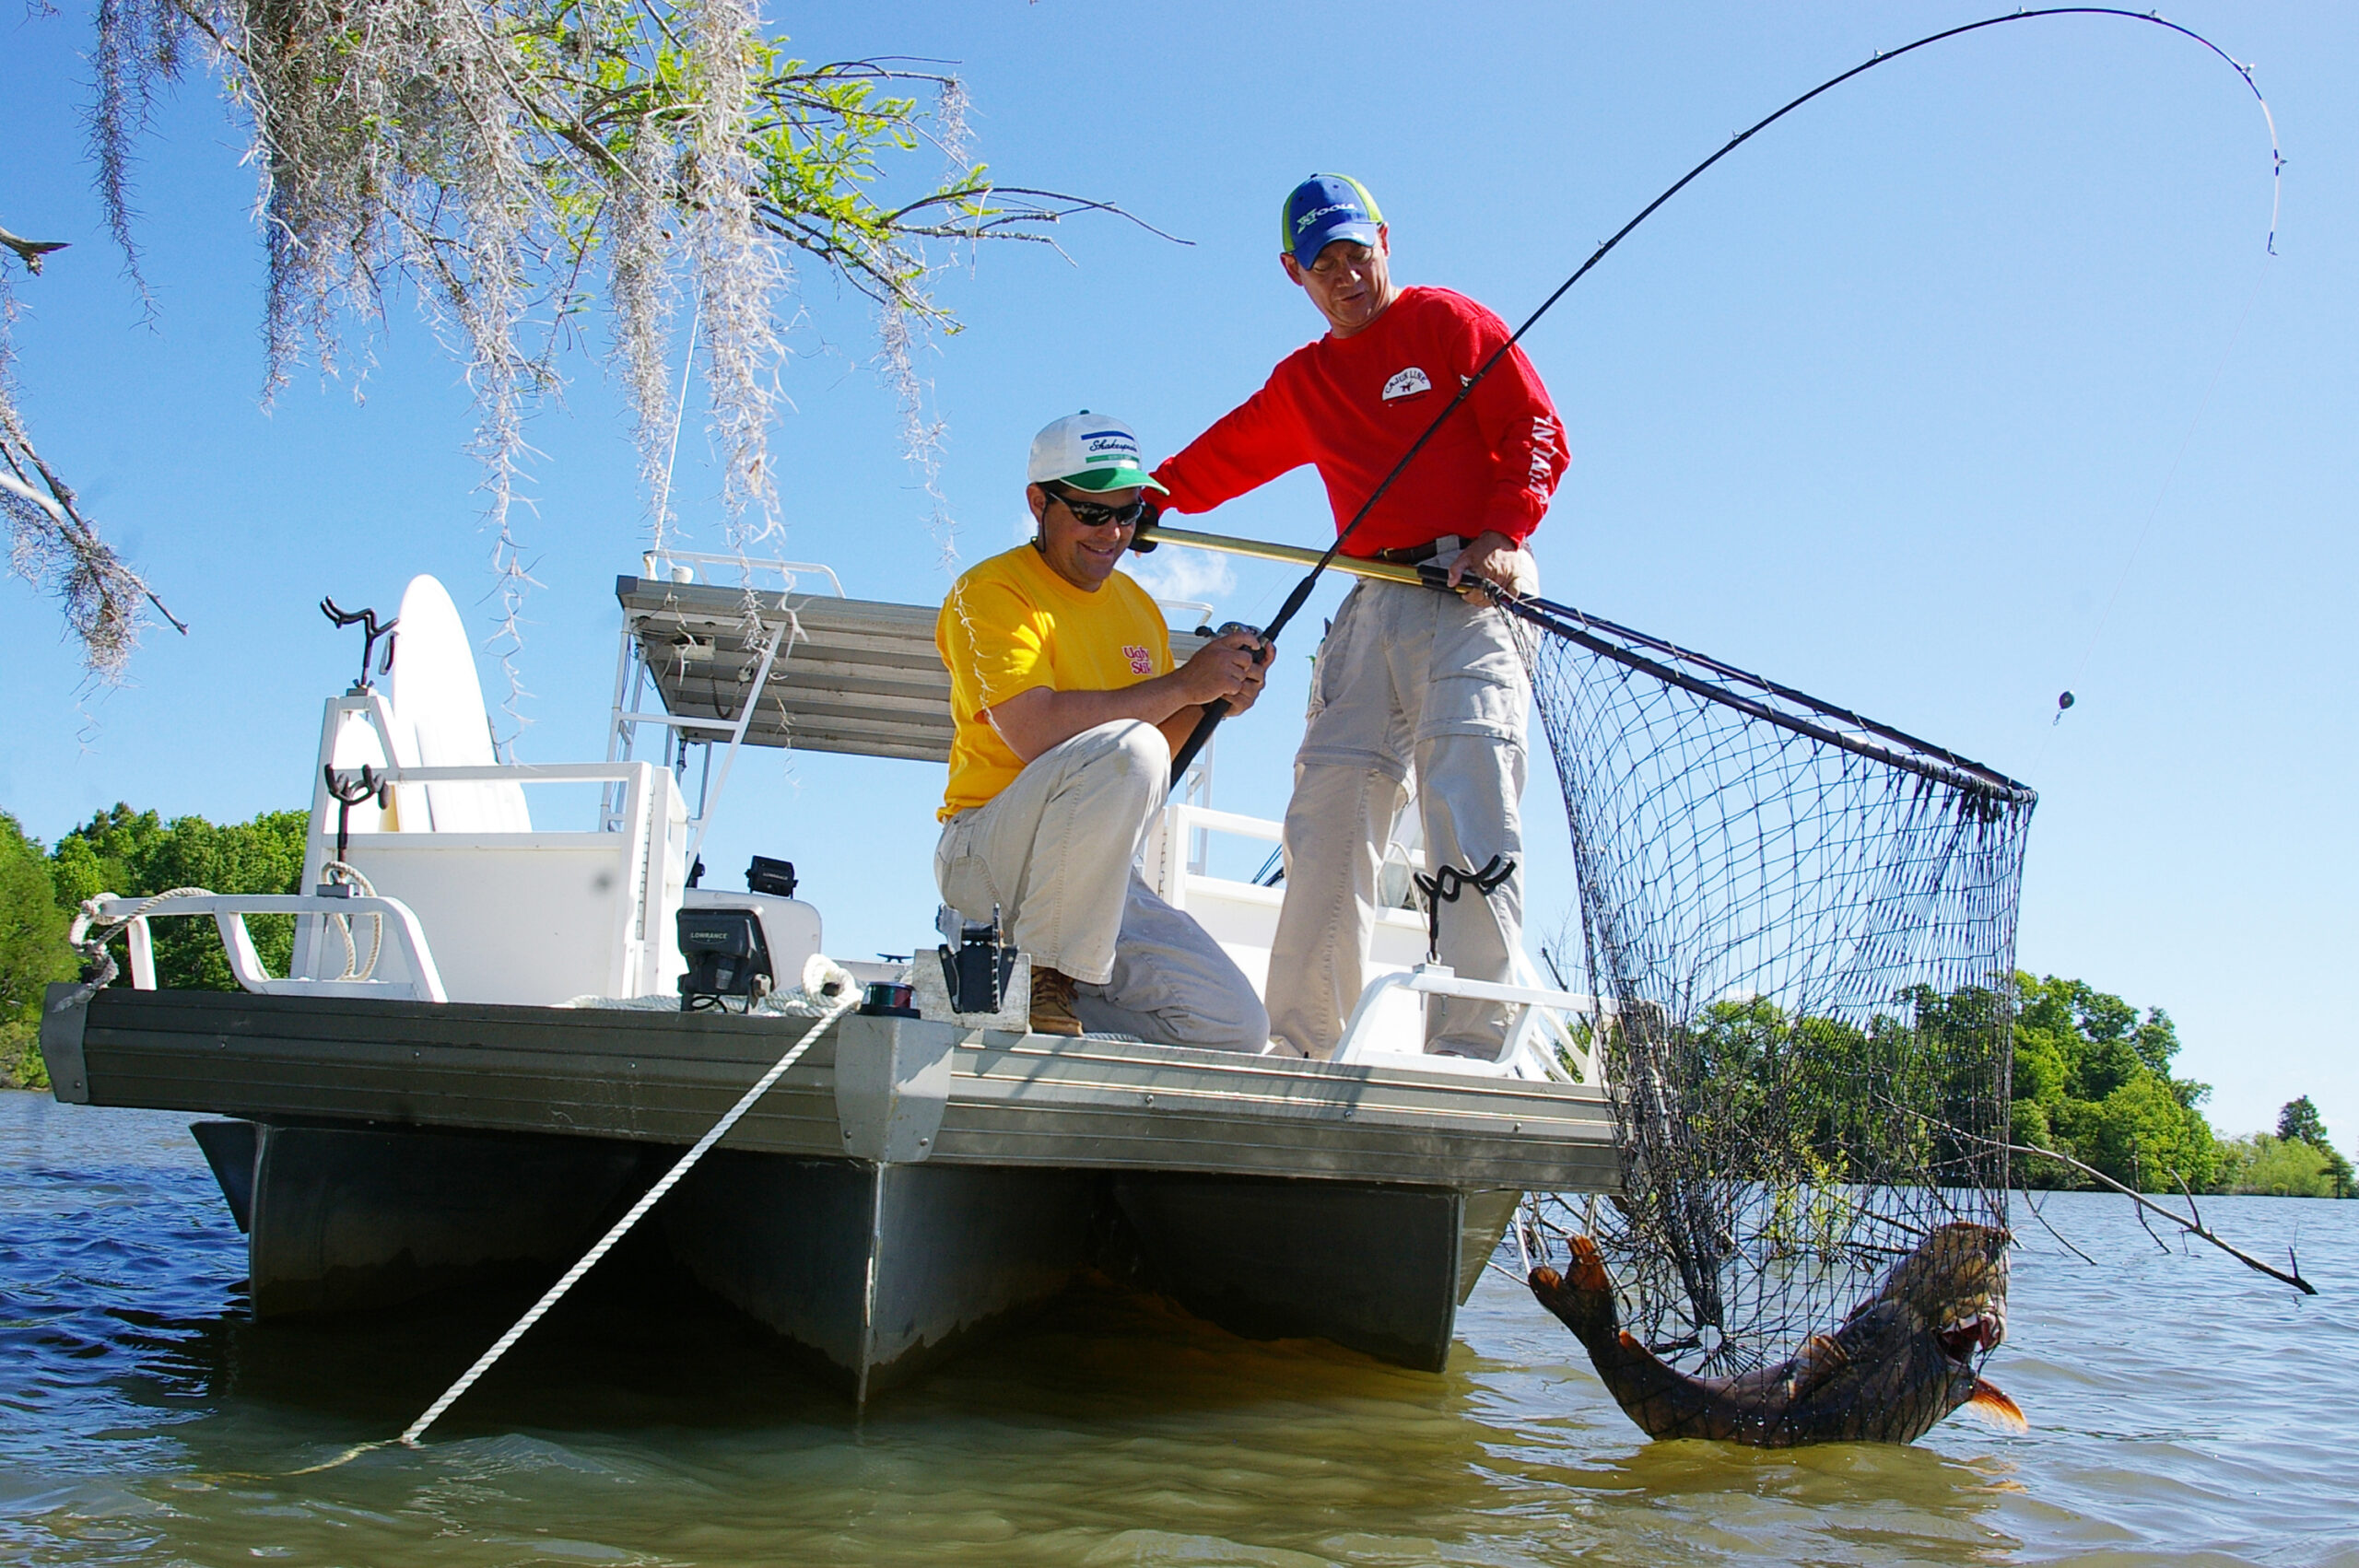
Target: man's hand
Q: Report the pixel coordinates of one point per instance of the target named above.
(1229, 667)
(1498, 559)
(1032, 721)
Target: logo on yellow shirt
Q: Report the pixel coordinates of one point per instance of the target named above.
(1142, 662)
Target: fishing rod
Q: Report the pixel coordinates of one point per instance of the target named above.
(1295, 600)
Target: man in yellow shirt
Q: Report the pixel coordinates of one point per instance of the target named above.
(1068, 710)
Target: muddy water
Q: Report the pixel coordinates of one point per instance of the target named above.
(2182, 1410)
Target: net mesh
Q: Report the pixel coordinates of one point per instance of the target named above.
(1798, 927)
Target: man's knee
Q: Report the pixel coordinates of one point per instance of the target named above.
(1127, 747)
(1237, 1022)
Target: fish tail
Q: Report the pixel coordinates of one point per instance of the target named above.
(1996, 1407)
(1582, 1297)
(1663, 1402)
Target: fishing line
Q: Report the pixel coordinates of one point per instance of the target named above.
(679, 417)
(2130, 561)
(1215, 710)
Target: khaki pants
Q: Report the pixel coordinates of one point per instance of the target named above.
(1054, 851)
(1407, 677)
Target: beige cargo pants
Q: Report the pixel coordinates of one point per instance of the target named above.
(1407, 677)
(1054, 852)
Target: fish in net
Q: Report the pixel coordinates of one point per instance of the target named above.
(1798, 929)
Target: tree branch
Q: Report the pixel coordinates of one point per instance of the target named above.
(31, 252)
(2194, 1227)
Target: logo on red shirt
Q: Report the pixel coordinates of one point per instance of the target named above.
(1142, 662)
(1407, 383)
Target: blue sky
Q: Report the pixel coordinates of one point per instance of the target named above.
(1968, 384)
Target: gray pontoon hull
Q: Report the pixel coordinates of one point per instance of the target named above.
(907, 1187)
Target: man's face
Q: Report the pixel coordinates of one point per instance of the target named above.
(1082, 552)
(1350, 283)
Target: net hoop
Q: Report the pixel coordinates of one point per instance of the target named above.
(1766, 699)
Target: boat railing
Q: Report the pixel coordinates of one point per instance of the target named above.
(654, 562)
(528, 914)
(418, 981)
(1541, 1042)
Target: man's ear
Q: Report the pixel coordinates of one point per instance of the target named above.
(1293, 268)
(1038, 500)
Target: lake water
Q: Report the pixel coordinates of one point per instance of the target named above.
(2183, 1410)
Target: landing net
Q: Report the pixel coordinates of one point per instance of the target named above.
(1799, 928)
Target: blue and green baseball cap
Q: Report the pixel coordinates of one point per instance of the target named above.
(1325, 208)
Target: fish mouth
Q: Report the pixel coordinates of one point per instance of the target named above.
(1980, 1332)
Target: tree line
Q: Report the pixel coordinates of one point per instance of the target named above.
(2090, 1074)
(1908, 1095)
(135, 854)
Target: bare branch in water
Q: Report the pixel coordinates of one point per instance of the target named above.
(2060, 1239)
(2194, 1227)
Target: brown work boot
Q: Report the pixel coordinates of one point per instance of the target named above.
(1053, 1010)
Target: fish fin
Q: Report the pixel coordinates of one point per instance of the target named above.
(1986, 1402)
(1588, 1269)
(1820, 1359)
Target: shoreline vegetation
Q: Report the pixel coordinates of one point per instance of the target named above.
(2091, 1076)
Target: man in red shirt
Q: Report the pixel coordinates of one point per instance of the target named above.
(1410, 683)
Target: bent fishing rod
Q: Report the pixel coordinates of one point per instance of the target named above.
(1295, 600)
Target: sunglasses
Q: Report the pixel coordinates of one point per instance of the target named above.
(1091, 514)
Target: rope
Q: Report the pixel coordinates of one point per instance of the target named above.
(339, 871)
(1446, 884)
(622, 1226)
(93, 930)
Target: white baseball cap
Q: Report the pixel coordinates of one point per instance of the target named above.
(1088, 451)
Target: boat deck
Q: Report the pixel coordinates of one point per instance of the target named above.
(973, 1097)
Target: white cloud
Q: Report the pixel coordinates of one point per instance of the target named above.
(1174, 573)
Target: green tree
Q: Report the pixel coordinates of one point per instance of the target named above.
(32, 953)
(2275, 1167)
(2092, 1079)
(2298, 1122)
(137, 854)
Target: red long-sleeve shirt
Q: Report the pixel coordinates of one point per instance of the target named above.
(1353, 405)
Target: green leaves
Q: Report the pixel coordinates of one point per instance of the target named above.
(2092, 1079)
(137, 853)
(32, 952)
(2299, 1123)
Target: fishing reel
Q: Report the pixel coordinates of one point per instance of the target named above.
(1261, 644)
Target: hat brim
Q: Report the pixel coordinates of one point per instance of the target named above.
(1124, 476)
(1364, 230)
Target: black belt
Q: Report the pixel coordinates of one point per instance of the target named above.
(1416, 554)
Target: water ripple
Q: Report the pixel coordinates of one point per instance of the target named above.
(2183, 1411)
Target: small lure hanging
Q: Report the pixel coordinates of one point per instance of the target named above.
(2063, 701)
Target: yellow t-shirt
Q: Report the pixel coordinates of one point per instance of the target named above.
(1012, 624)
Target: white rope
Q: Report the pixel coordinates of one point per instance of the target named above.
(339, 871)
(92, 930)
(622, 1226)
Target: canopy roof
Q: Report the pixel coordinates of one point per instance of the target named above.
(857, 675)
